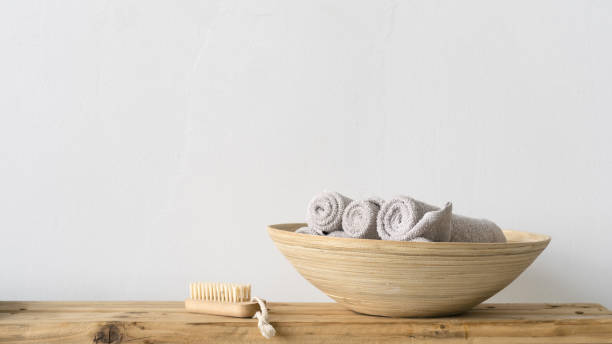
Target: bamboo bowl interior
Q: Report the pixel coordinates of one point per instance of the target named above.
(407, 279)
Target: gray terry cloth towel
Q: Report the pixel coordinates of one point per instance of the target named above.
(467, 229)
(307, 230)
(420, 239)
(325, 210)
(310, 231)
(405, 219)
(359, 219)
(339, 234)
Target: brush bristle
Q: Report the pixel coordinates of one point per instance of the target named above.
(220, 292)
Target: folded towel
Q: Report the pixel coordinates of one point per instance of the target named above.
(338, 234)
(359, 219)
(325, 210)
(306, 230)
(406, 219)
(420, 239)
(467, 229)
(310, 231)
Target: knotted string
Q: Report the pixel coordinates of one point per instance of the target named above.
(262, 316)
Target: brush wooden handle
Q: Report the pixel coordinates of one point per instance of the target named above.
(230, 309)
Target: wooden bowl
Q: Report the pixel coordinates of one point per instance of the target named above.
(407, 279)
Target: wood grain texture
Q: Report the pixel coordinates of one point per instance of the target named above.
(407, 279)
(168, 322)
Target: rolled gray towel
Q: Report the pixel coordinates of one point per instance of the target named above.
(404, 218)
(325, 211)
(359, 219)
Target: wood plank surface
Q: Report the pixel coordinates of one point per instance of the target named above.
(167, 322)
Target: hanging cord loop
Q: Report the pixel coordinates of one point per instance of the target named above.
(262, 316)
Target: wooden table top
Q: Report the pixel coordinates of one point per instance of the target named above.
(167, 322)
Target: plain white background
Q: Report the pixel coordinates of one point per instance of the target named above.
(145, 144)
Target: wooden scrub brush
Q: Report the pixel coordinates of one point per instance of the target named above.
(228, 299)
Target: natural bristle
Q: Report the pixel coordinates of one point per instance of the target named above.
(220, 292)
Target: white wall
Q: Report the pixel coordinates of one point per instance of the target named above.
(147, 144)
